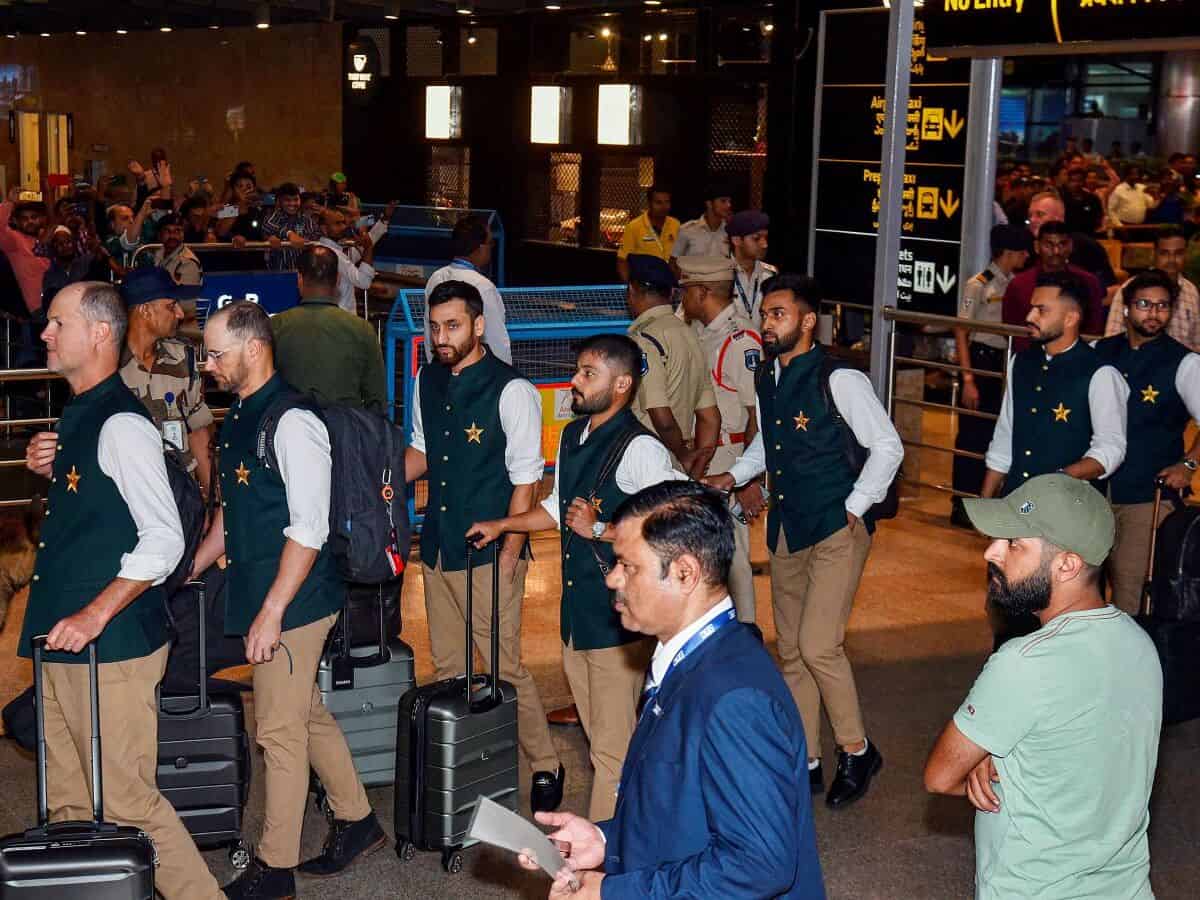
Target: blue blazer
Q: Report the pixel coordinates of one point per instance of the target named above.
(714, 799)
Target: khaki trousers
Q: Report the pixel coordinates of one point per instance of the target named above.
(741, 576)
(296, 731)
(1131, 551)
(812, 593)
(446, 610)
(606, 685)
(128, 764)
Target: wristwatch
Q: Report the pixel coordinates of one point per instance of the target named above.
(1190, 464)
(598, 529)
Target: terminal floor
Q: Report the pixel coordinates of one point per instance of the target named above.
(917, 637)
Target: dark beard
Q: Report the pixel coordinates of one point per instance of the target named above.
(784, 343)
(1141, 329)
(1047, 337)
(581, 406)
(1021, 599)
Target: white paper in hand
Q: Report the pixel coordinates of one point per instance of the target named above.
(492, 824)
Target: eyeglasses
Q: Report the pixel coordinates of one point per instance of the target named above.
(1143, 304)
(216, 355)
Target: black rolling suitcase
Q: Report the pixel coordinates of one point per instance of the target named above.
(453, 744)
(1176, 640)
(204, 758)
(94, 860)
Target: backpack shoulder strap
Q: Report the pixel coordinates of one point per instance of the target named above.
(265, 445)
(615, 453)
(853, 450)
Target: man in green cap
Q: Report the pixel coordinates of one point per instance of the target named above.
(1056, 744)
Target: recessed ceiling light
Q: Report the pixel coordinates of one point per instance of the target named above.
(553, 5)
(768, 27)
(45, 34)
(652, 2)
(263, 16)
(80, 32)
(662, 36)
(122, 31)
(647, 37)
(606, 32)
(11, 37)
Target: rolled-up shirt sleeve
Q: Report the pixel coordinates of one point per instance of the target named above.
(550, 504)
(130, 452)
(417, 441)
(521, 420)
(856, 401)
(1108, 402)
(305, 465)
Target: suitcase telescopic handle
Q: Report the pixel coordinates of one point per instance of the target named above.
(380, 656)
(1146, 603)
(39, 646)
(492, 699)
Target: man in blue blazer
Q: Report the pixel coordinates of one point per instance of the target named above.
(714, 799)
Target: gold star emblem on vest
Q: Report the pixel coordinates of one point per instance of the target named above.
(1149, 394)
(474, 434)
(801, 421)
(1060, 412)
(243, 474)
(73, 479)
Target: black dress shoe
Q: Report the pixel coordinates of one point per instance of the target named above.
(547, 791)
(853, 777)
(816, 780)
(262, 882)
(346, 842)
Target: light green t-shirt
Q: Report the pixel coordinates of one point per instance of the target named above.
(1071, 714)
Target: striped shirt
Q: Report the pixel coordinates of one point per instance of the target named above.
(278, 224)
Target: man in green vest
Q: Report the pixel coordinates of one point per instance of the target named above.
(283, 594)
(1164, 394)
(819, 525)
(111, 536)
(604, 456)
(1063, 408)
(477, 436)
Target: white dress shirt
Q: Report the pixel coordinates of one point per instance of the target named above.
(352, 273)
(646, 462)
(858, 405)
(305, 465)
(1108, 394)
(1184, 324)
(1128, 205)
(495, 332)
(521, 421)
(664, 653)
(130, 452)
(1187, 383)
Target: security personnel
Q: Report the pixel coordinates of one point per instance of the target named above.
(981, 301)
(604, 456)
(653, 233)
(111, 536)
(674, 391)
(819, 527)
(161, 370)
(732, 350)
(477, 435)
(1164, 393)
(748, 231)
(1064, 408)
(283, 596)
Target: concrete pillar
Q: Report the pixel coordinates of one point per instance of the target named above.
(1179, 103)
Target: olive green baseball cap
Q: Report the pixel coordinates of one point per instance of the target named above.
(1065, 511)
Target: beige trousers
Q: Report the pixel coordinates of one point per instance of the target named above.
(296, 731)
(446, 609)
(606, 685)
(1131, 551)
(128, 765)
(741, 576)
(812, 593)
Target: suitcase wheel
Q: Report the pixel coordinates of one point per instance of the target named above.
(452, 860)
(239, 855)
(406, 850)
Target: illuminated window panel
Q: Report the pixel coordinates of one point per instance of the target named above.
(550, 115)
(620, 115)
(443, 112)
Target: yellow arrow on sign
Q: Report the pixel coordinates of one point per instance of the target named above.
(953, 124)
(949, 204)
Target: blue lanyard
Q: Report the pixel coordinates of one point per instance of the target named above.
(746, 302)
(715, 624)
(459, 263)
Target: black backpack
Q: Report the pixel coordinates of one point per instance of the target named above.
(856, 453)
(190, 504)
(368, 513)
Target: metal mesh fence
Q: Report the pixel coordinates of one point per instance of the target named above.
(554, 198)
(738, 144)
(448, 178)
(623, 183)
(423, 51)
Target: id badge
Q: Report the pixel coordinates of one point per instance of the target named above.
(172, 432)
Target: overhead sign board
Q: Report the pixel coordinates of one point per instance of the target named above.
(984, 27)
(361, 70)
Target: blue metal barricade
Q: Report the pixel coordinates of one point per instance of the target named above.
(418, 239)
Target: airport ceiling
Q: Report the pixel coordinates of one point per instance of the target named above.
(34, 17)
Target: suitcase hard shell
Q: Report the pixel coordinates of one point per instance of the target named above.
(204, 759)
(95, 860)
(452, 748)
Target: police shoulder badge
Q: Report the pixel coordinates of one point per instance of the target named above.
(752, 360)
(645, 364)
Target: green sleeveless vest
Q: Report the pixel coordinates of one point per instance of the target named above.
(87, 529)
(587, 619)
(256, 512)
(464, 447)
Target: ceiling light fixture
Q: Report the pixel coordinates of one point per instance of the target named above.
(11, 36)
(768, 27)
(606, 32)
(662, 36)
(262, 18)
(45, 34)
(471, 39)
(652, 2)
(647, 37)
(391, 10)
(553, 5)
(80, 32)
(464, 7)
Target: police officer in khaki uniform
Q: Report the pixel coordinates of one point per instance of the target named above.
(161, 370)
(675, 399)
(732, 351)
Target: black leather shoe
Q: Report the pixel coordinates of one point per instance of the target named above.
(853, 777)
(261, 882)
(816, 780)
(547, 791)
(346, 842)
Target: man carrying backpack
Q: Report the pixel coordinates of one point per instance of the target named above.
(820, 522)
(283, 595)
